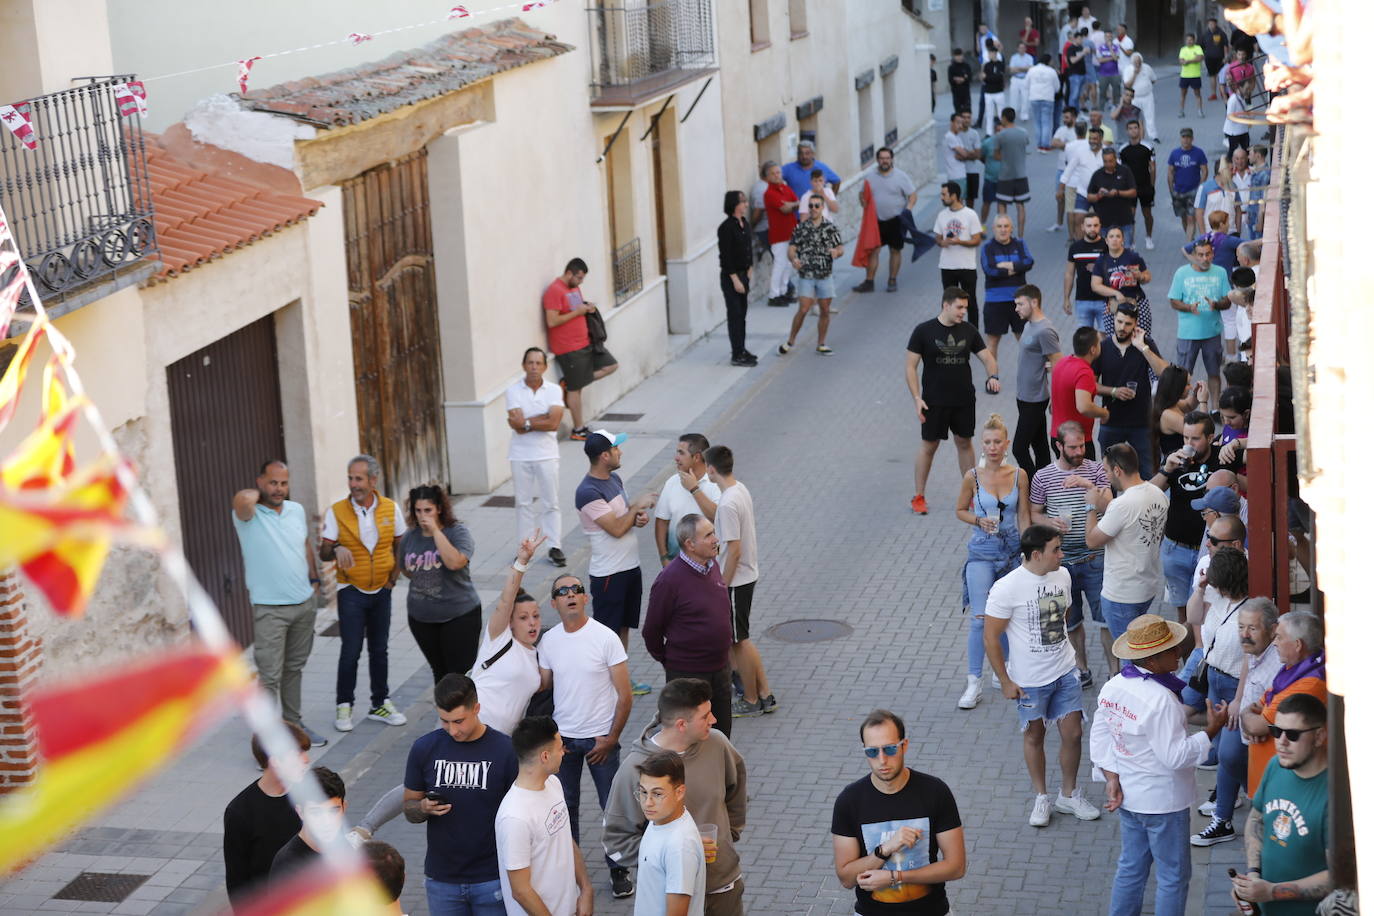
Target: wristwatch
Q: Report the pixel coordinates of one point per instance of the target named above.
(527, 426)
(878, 851)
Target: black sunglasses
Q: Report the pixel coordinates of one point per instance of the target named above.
(564, 590)
(1292, 734)
(814, 205)
(1217, 542)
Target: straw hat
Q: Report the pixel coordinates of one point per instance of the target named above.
(1148, 634)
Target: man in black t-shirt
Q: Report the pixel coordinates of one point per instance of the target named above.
(1111, 191)
(1139, 157)
(303, 849)
(1129, 362)
(259, 821)
(960, 76)
(1080, 299)
(896, 833)
(944, 393)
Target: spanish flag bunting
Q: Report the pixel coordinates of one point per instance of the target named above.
(320, 890)
(100, 738)
(13, 380)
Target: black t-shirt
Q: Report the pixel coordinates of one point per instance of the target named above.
(1137, 157)
(1076, 67)
(1214, 44)
(870, 816)
(995, 76)
(1115, 271)
(946, 378)
(296, 854)
(1083, 254)
(1240, 40)
(1116, 369)
(957, 69)
(1115, 211)
(256, 825)
(1187, 483)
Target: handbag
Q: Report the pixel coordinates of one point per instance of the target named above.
(1199, 679)
(541, 702)
(596, 331)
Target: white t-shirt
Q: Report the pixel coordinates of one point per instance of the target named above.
(535, 445)
(504, 689)
(533, 831)
(584, 696)
(1064, 134)
(735, 522)
(1131, 568)
(1144, 85)
(955, 168)
(1037, 608)
(972, 140)
(367, 531)
(825, 211)
(1220, 632)
(1234, 105)
(962, 224)
(674, 503)
(1082, 162)
(672, 860)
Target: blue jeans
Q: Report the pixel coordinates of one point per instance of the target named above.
(363, 616)
(482, 898)
(1076, 89)
(1233, 762)
(1119, 614)
(1087, 313)
(979, 576)
(575, 751)
(1042, 113)
(1161, 839)
(1085, 584)
(1221, 688)
(1137, 436)
(1180, 561)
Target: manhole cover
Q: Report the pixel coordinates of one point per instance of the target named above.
(500, 502)
(102, 887)
(809, 630)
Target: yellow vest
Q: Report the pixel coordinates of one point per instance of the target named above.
(370, 571)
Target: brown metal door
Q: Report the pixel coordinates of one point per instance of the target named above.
(226, 421)
(395, 318)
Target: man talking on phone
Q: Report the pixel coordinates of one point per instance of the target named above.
(455, 779)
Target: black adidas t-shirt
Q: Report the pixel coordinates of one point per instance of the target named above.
(945, 352)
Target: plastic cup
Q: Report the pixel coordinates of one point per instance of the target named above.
(709, 833)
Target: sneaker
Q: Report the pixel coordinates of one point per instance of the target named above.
(1040, 811)
(777, 302)
(556, 557)
(1076, 805)
(1209, 807)
(864, 287)
(316, 739)
(973, 692)
(833, 310)
(581, 434)
(1054, 228)
(737, 684)
(639, 688)
(1085, 678)
(753, 356)
(1149, 244)
(743, 709)
(1210, 763)
(622, 885)
(891, 286)
(769, 703)
(919, 506)
(823, 349)
(784, 349)
(388, 713)
(1212, 97)
(743, 363)
(343, 717)
(1215, 832)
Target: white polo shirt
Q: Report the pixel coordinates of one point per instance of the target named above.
(367, 530)
(536, 445)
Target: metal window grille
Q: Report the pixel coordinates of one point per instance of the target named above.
(635, 40)
(626, 271)
(80, 203)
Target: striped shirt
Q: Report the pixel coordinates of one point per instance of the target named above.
(1048, 490)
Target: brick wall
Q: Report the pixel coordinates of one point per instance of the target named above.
(20, 657)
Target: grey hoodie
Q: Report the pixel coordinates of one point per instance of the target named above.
(715, 795)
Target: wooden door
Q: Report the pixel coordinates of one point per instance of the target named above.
(395, 319)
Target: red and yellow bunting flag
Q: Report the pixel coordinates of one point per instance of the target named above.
(321, 890)
(99, 738)
(13, 380)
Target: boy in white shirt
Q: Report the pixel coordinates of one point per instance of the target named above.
(821, 189)
(672, 855)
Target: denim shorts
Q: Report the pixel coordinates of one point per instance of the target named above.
(1051, 702)
(1180, 561)
(1080, 203)
(1088, 312)
(1209, 348)
(816, 288)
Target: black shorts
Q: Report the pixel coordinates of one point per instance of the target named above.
(1145, 196)
(616, 599)
(999, 317)
(1013, 190)
(989, 192)
(1190, 82)
(892, 232)
(741, 603)
(580, 366)
(1214, 64)
(943, 419)
(972, 180)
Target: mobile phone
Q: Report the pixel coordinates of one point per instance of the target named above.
(436, 797)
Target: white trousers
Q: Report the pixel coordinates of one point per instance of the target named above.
(782, 270)
(537, 480)
(1020, 98)
(1147, 114)
(995, 102)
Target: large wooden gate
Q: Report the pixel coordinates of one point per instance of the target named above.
(395, 320)
(226, 421)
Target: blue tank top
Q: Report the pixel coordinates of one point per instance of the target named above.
(1005, 542)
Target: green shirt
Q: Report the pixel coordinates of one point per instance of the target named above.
(1192, 54)
(1294, 846)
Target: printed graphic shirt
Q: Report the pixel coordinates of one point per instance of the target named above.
(814, 242)
(946, 378)
(1294, 831)
(1037, 610)
(962, 224)
(533, 831)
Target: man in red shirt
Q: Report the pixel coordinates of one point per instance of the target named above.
(780, 203)
(1031, 36)
(1073, 385)
(565, 313)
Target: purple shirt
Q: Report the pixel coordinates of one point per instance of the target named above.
(687, 626)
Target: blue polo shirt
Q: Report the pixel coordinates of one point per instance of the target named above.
(798, 177)
(273, 545)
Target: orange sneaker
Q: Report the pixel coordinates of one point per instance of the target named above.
(918, 505)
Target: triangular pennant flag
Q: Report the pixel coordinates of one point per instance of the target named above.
(358, 38)
(16, 118)
(458, 12)
(132, 98)
(246, 67)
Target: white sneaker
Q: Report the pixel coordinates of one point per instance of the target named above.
(343, 717)
(996, 681)
(1040, 811)
(1076, 805)
(1054, 228)
(1149, 244)
(388, 713)
(972, 693)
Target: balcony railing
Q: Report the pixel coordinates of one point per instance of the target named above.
(641, 48)
(626, 272)
(79, 203)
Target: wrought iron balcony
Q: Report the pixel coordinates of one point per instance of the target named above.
(79, 202)
(644, 48)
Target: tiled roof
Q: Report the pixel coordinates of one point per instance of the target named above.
(201, 216)
(456, 60)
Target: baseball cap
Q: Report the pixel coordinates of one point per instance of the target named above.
(1219, 499)
(602, 440)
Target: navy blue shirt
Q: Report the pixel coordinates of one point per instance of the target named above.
(473, 776)
(1187, 165)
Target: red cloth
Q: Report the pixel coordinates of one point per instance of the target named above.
(570, 335)
(780, 224)
(1072, 373)
(870, 238)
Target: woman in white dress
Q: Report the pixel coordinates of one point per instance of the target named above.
(1140, 76)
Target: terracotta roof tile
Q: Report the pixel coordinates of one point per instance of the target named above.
(201, 216)
(456, 60)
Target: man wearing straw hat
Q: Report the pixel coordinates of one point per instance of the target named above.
(1140, 742)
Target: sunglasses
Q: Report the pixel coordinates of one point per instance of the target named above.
(813, 206)
(1292, 734)
(888, 750)
(1217, 542)
(564, 590)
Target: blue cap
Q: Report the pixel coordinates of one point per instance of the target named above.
(1219, 499)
